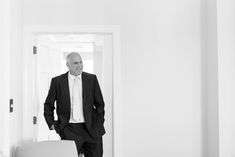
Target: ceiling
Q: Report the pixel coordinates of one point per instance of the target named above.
(75, 42)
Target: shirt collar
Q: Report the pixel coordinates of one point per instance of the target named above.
(74, 77)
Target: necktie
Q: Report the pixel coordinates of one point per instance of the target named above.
(76, 99)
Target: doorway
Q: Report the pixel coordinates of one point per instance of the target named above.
(48, 60)
(51, 51)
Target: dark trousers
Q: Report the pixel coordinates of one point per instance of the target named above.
(85, 143)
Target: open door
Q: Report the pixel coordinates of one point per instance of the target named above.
(48, 60)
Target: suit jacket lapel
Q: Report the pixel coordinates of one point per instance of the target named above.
(65, 84)
(84, 88)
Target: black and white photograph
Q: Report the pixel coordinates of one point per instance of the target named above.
(117, 78)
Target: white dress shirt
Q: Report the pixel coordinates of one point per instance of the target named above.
(76, 114)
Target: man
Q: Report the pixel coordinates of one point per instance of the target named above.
(79, 106)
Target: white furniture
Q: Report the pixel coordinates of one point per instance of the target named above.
(61, 148)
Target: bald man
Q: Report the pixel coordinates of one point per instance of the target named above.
(79, 107)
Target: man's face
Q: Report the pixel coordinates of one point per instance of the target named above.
(75, 65)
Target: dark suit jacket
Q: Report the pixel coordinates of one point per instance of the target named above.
(93, 104)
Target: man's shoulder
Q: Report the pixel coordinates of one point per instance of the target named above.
(88, 74)
(59, 77)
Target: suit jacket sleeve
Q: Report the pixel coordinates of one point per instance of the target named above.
(49, 105)
(99, 102)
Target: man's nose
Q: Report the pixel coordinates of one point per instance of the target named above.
(79, 66)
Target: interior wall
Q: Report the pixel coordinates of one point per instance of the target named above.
(210, 71)
(16, 23)
(204, 83)
(226, 76)
(160, 66)
(161, 78)
(4, 79)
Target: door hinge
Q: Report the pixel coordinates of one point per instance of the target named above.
(35, 50)
(34, 120)
(11, 105)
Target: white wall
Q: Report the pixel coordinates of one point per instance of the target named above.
(210, 72)
(226, 76)
(11, 70)
(4, 77)
(16, 23)
(161, 68)
(161, 78)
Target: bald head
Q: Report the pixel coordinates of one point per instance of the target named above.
(74, 63)
(72, 55)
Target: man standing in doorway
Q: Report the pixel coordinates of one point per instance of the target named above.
(79, 106)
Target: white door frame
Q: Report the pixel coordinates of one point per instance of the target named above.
(114, 30)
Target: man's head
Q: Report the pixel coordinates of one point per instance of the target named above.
(74, 63)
